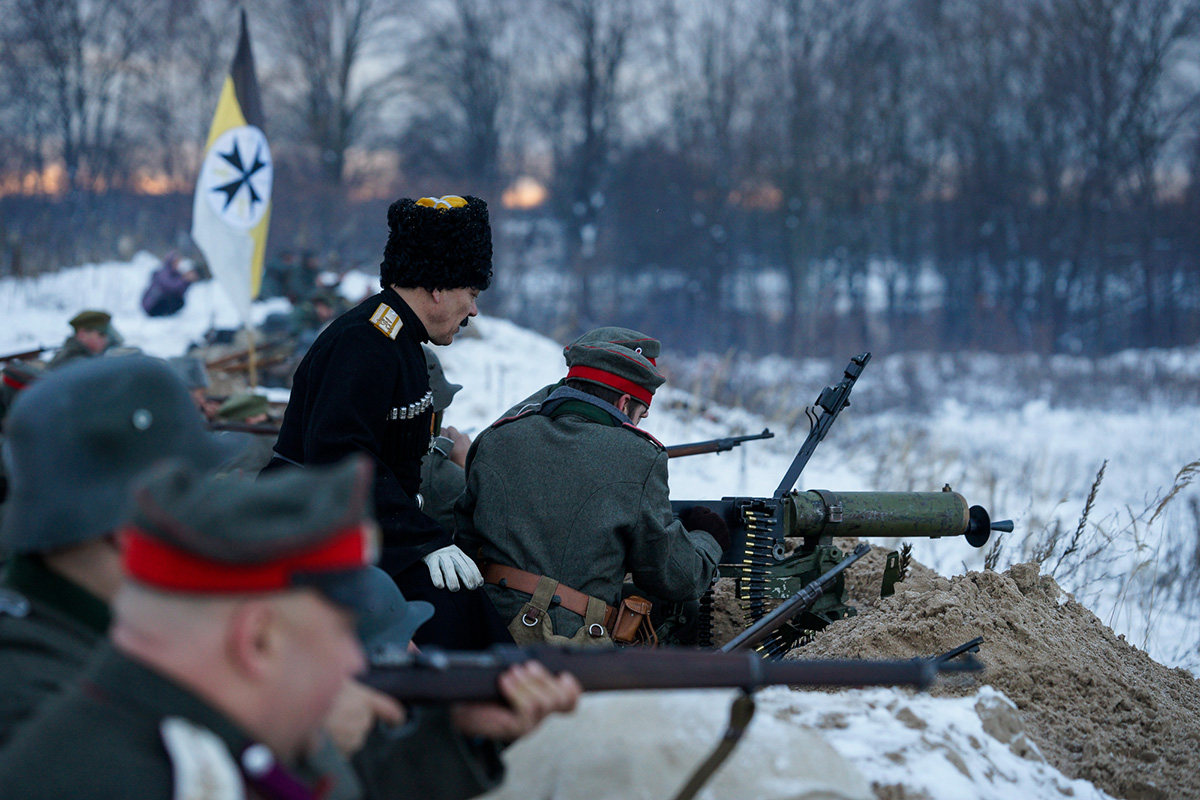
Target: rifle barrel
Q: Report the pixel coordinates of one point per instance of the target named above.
(714, 445)
(442, 677)
(972, 645)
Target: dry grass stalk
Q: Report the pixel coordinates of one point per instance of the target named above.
(992, 558)
(1183, 479)
(1073, 546)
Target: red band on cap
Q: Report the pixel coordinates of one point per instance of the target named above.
(622, 385)
(13, 383)
(156, 563)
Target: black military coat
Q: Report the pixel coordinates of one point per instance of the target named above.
(363, 387)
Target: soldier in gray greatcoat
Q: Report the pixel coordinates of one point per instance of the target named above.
(90, 427)
(569, 495)
(233, 637)
(213, 682)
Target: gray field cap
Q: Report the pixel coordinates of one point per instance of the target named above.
(640, 343)
(231, 535)
(76, 439)
(618, 358)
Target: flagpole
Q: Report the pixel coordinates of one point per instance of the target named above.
(231, 210)
(253, 356)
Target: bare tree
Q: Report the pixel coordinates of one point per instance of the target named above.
(331, 72)
(71, 65)
(591, 43)
(1115, 59)
(460, 74)
(714, 66)
(194, 41)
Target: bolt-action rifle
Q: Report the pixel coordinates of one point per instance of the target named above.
(714, 445)
(760, 527)
(25, 354)
(437, 676)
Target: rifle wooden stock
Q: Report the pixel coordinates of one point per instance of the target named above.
(455, 676)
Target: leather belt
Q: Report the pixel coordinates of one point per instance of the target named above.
(571, 599)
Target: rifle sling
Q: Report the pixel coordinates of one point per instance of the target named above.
(740, 714)
(518, 579)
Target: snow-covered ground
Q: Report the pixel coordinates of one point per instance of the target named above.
(1031, 462)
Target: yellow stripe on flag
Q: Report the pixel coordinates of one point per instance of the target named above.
(259, 234)
(228, 114)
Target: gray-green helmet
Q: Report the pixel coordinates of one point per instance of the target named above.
(76, 439)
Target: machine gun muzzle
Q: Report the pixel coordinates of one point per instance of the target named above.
(932, 515)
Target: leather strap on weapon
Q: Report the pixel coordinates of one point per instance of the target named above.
(628, 624)
(740, 714)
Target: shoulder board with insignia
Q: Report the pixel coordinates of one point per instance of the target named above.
(387, 320)
(202, 765)
(644, 435)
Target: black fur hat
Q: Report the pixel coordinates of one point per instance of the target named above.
(438, 243)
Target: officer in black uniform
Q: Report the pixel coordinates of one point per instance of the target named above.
(363, 387)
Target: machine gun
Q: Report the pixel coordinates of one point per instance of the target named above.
(768, 635)
(714, 445)
(437, 676)
(760, 528)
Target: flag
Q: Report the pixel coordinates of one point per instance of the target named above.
(232, 206)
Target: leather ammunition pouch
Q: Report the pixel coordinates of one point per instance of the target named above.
(633, 622)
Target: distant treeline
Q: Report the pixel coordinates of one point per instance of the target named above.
(799, 176)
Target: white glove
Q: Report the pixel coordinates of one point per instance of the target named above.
(448, 565)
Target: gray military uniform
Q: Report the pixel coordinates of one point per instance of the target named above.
(48, 630)
(582, 502)
(115, 723)
(442, 481)
(72, 350)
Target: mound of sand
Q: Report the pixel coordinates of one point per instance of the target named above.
(1097, 707)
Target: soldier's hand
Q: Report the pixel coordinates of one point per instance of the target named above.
(532, 694)
(449, 568)
(356, 710)
(703, 518)
(462, 443)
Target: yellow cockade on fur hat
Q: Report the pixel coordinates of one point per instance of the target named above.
(449, 201)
